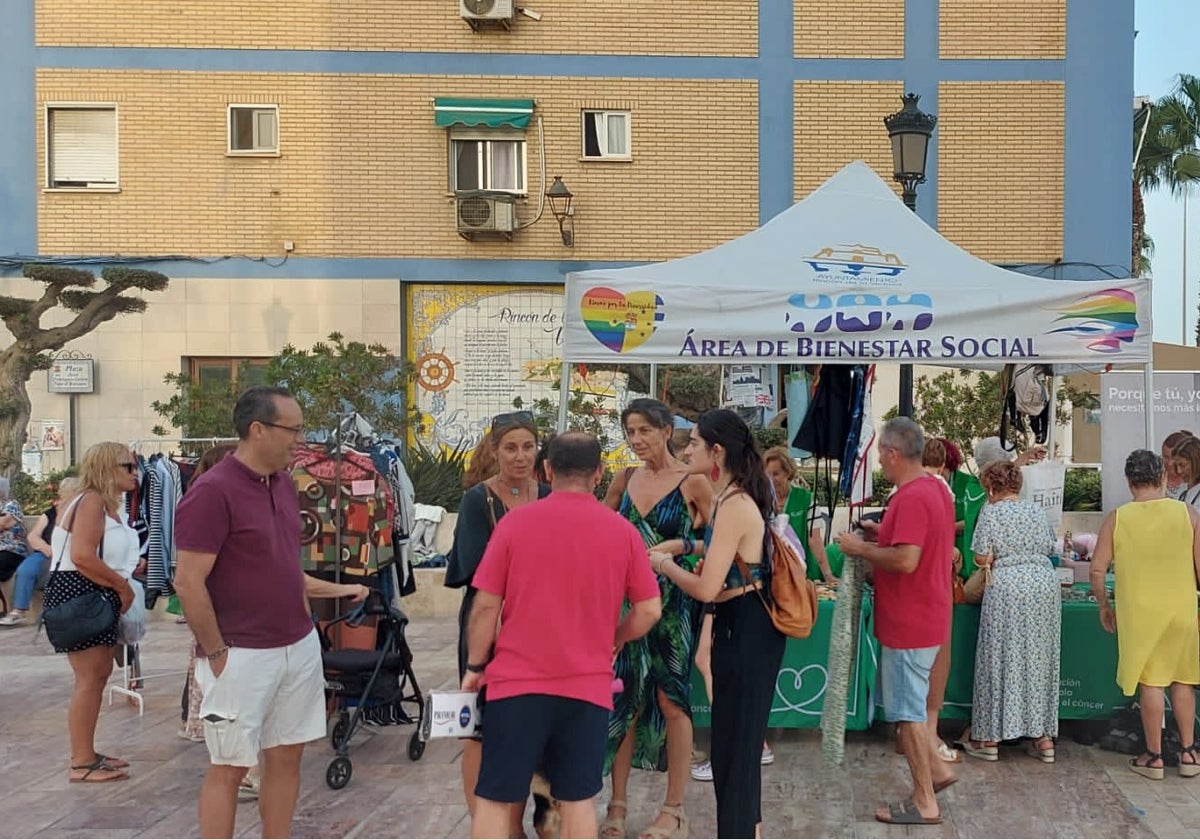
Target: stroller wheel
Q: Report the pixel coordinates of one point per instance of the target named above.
(416, 747)
(337, 775)
(339, 732)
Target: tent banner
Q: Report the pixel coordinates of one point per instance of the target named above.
(868, 316)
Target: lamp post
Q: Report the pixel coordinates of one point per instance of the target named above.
(909, 130)
(560, 205)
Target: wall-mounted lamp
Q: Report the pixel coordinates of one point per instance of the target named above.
(560, 205)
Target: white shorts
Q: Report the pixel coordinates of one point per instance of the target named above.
(264, 698)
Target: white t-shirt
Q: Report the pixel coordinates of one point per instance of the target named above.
(120, 544)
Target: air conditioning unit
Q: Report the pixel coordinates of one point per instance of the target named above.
(486, 10)
(485, 214)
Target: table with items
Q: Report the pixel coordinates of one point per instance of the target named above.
(1088, 689)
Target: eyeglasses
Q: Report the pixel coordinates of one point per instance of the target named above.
(128, 465)
(295, 430)
(514, 418)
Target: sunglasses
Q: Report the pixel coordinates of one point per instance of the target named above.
(514, 418)
(128, 465)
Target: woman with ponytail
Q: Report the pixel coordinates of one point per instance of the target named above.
(747, 649)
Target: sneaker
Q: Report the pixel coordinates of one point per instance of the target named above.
(247, 789)
(14, 618)
(768, 757)
(702, 772)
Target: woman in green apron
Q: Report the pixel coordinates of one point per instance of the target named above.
(796, 502)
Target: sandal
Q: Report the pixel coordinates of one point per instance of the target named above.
(1046, 754)
(948, 755)
(656, 832)
(110, 773)
(1192, 768)
(614, 826)
(115, 763)
(1144, 768)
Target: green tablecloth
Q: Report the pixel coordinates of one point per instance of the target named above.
(1087, 673)
(800, 687)
(1087, 670)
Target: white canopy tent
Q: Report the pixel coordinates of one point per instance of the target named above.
(850, 275)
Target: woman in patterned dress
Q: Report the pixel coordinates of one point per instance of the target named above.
(1017, 656)
(651, 722)
(95, 550)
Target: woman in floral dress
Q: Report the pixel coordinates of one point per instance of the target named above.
(1017, 656)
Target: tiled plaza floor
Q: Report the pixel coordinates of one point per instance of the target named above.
(1088, 793)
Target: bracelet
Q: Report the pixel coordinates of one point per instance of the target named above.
(216, 654)
(475, 669)
(688, 545)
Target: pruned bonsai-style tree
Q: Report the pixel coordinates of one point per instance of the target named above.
(32, 343)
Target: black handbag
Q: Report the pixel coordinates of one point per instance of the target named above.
(84, 617)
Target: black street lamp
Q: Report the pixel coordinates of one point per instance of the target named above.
(909, 130)
(560, 205)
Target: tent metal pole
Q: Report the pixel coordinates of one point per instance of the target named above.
(653, 381)
(1148, 390)
(564, 396)
(1051, 426)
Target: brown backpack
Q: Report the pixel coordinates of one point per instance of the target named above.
(793, 602)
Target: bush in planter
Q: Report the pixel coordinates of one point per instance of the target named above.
(1081, 489)
(436, 474)
(35, 495)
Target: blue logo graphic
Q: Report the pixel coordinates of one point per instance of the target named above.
(464, 717)
(860, 313)
(856, 261)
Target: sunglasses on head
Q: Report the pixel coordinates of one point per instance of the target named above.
(513, 418)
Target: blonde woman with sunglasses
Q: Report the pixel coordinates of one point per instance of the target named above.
(94, 550)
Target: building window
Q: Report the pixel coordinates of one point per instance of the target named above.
(606, 135)
(223, 373)
(81, 147)
(253, 129)
(487, 163)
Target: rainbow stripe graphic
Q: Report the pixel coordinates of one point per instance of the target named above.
(1105, 320)
(621, 322)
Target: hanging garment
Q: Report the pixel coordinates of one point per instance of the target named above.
(796, 387)
(388, 463)
(850, 447)
(424, 535)
(157, 581)
(361, 521)
(862, 486)
(827, 425)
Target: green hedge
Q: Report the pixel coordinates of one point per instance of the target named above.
(1081, 490)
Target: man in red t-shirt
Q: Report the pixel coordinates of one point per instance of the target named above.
(555, 575)
(911, 561)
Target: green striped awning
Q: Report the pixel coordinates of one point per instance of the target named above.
(493, 113)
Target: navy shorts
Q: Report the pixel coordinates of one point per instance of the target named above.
(563, 737)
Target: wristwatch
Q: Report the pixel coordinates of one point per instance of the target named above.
(475, 669)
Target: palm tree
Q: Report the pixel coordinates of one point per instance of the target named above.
(1167, 154)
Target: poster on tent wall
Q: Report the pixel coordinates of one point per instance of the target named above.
(478, 347)
(1123, 425)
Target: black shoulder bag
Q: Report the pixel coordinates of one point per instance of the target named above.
(84, 617)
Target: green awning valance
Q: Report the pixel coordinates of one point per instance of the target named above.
(493, 113)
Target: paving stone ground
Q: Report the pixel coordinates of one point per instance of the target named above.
(1088, 793)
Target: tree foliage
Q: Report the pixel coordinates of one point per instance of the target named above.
(33, 344)
(331, 379)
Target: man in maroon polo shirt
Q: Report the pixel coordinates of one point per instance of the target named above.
(239, 580)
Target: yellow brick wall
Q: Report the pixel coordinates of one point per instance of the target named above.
(849, 28)
(627, 27)
(363, 168)
(1000, 169)
(837, 122)
(1005, 29)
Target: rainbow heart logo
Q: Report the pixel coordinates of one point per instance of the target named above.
(621, 321)
(1105, 320)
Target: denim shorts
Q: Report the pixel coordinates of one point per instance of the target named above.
(904, 682)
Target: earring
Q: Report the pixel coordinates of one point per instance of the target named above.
(714, 474)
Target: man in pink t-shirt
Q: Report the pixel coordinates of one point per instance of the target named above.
(911, 561)
(555, 575)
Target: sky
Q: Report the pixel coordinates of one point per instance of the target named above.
(1166, 47)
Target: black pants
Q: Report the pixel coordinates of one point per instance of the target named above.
(746, 653)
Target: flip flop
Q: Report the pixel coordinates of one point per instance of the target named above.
(112, 761)
(101, 765)
(906, 813)
(938, 787)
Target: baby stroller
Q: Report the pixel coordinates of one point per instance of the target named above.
(366, 680)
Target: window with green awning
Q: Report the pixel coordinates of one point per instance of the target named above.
(490, 113)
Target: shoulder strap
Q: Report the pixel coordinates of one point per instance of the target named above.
(490, 503)
(1194, 497)
(69, 521)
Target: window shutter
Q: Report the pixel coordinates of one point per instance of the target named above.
(83, 147)
(264, 131)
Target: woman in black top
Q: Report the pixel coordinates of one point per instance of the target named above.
(37, 562)
(514, 444)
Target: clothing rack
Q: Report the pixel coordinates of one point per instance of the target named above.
(131, 659)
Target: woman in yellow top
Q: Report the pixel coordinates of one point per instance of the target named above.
(1157, 551)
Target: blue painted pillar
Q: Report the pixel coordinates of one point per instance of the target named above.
(18, 164)
(775, 108)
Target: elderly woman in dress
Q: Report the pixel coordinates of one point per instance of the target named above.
(1153, 542)
(1017, 655)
